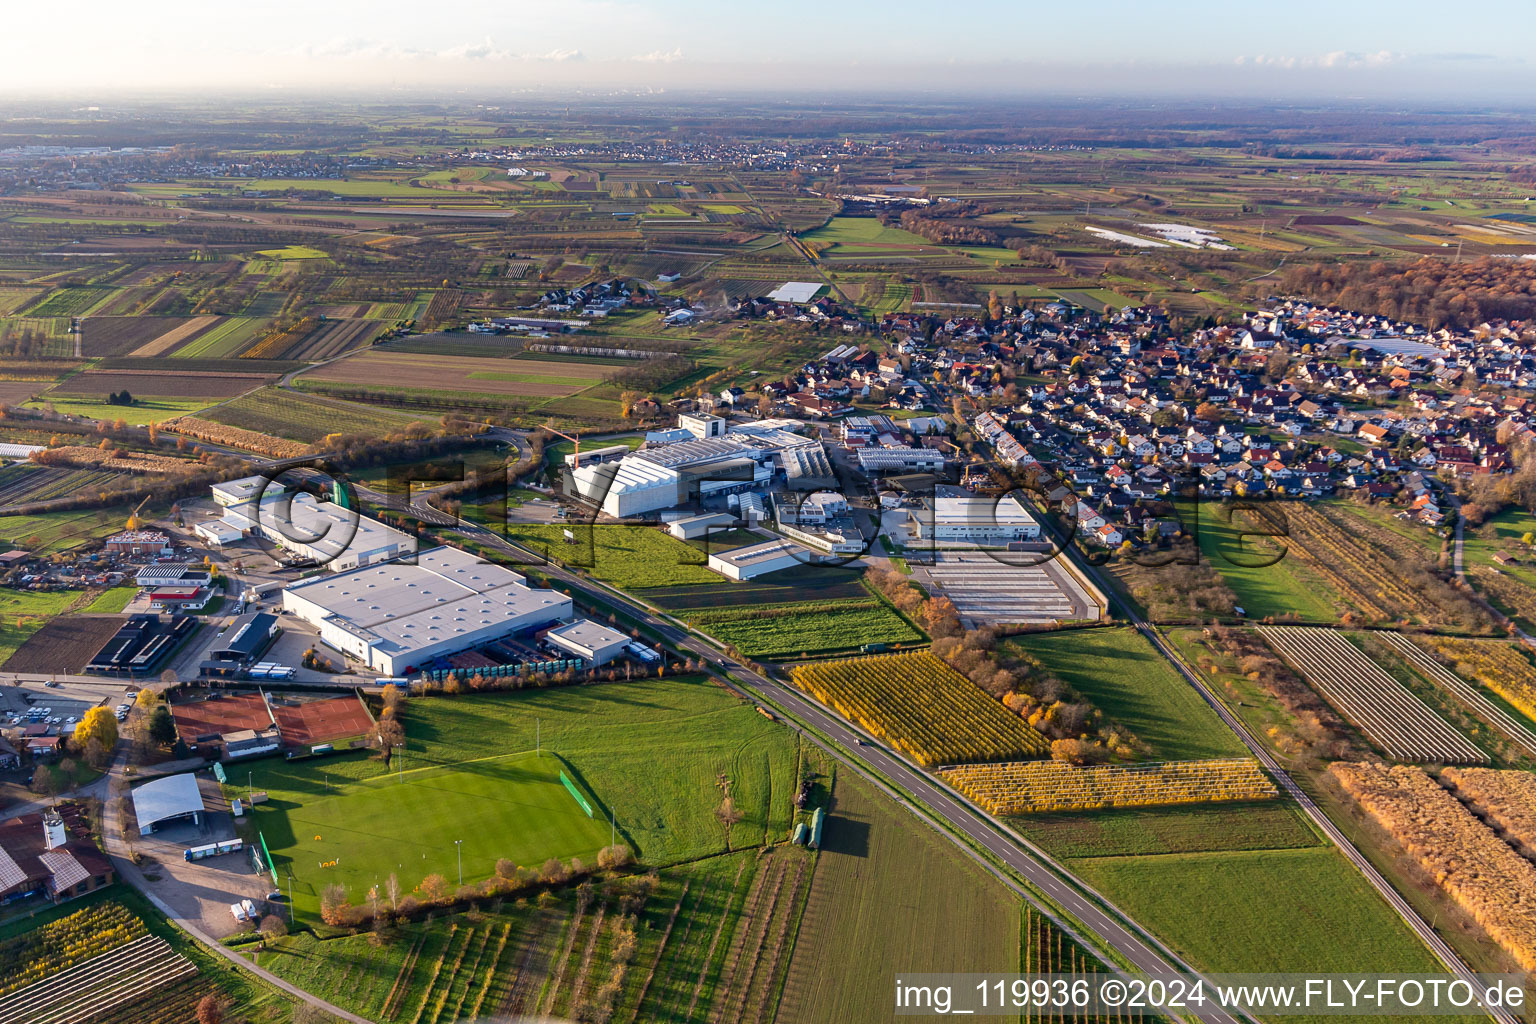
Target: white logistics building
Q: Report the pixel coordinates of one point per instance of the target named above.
(977, 519)
(590, 640)
(759, 559)
(394, 617)
(335, 537)
(658, 478)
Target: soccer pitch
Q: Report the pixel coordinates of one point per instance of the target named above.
(326, 827)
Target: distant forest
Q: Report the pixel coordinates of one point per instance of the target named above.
(1434, 292)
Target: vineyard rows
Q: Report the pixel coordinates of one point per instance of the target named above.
(1025, 787)
(921, 706)
(1480, 871)
(1394, 719)
(98, 985)
(1486, 709)
(61, 944)
(1354, 559)
(1502, 667)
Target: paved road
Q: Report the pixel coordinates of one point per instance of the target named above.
(1135, 944)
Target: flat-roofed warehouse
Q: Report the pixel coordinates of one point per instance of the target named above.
(590, 640)
(760, 559)
(333, 536)
(394, 617)
(970, 517)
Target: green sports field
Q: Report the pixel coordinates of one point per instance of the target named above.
(512, 806)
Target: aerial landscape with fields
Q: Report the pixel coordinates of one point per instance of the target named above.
(626, 514)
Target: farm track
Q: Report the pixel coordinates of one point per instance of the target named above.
(1464, 691)
(1394, 719)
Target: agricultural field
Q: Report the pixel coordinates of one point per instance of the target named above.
(26, 482)
(47, 532)
(306, 418)
(236, 437)
(1506, 799)
(1034, 787)
(23, 613)
(1467, 694)
(143, 410)
(695, 939)
(1179, 828)
(1304, 909)
(109, 957)
(819, 583)
(527, 378)
(227, 340)
(629, 557)
(951, 916)
(66, 643)
(1340, 566)
(786, 630)
(157, 384)
(1397, 721)
(1480, 871)
(920, 706)
(1119, 672)
(361, 830)
(1502, 667)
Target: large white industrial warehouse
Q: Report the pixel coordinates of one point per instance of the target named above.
(394, 617)
(659, 478)
(335, 537)
(719, 461)
(969, 517)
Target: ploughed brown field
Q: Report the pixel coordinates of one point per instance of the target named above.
(140, 335)
(64, 645)
(163, 384)
(534, 377)
(14, 392)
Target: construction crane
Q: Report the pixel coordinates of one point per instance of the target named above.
(573, 438)
(133, 517)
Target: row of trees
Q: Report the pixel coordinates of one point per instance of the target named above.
(390, 904)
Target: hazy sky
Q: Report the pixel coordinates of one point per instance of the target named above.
(1341, 48)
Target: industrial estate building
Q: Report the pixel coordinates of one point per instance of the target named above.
(760, 559)
(590, 640)
(715, 463)
(322, 531)
(968, 517)
(394, 617)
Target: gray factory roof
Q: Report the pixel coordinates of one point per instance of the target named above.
(446, 593)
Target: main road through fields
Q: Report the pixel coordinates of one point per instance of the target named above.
(1115, 929)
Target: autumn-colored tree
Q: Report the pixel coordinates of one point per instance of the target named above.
(333, 903)
(97, 723)
(210, 1009)
(434, 887)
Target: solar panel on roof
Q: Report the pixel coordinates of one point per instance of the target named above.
(11, 874)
